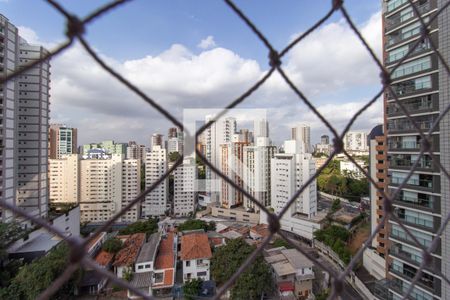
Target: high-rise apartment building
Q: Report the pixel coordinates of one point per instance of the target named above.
(256, 165)
(111, 147)
(135, 151)
(289, 172)
(355, 141)
(232, 157)
(9, 42)
(174, 141)
(260, 128)
(63, 179)
(184, 192)
(325, 139)
(131, 188)
(62, 140)
(155, 203)
(374, 258)
(32, 130)
(422, 85)
(302, 134)
(220, 132)
(106, 185)
(157, 140)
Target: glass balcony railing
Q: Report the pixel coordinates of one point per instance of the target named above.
(422, 200)
(405, 15)
(415, 220)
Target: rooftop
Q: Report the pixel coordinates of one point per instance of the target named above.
(231, 235)
(148, 250)
(261, 229)
(128, 254)
(297, 259)
(165, 257)
(42, 241)
(104, 258)
(168, 279)
(141, 280)
(194, 246)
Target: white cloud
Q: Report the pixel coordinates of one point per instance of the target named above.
(207, 43)
(327, 63)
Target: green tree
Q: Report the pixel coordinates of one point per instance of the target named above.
(253, 282)
(149, 226)
(34, 278)
(173, 156)
(336, 205)
(112, 245)
(194, 224)
(192, 288)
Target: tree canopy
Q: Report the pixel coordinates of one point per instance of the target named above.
(193, 224)
(192, 288)
(34, 278)
(253, 282)
(112, 245)
(148, 226)
(335, 237)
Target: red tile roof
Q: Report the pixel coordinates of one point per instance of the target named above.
(286, 286)
(194, 246)
(165, 258)
(168, 279)
(261, 229)
(103, 258)
(128, 254)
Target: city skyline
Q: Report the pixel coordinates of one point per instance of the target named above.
(217, 57)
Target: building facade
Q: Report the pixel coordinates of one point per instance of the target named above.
(62, 140)
(302, 134)
(232, 157)
(110, 147)
(355, 141)
(136, 151)
(289, 171)
(256, 172)
(220, 132)
(33, 123)
(63, 179)
(131, 188)
(155, 203)
(421, 84)
(185, 192)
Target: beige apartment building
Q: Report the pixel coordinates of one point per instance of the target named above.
(63, 176)
(106, 185)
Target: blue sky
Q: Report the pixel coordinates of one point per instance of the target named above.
(141, 31)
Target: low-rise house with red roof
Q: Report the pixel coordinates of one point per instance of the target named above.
(195, 255)
(127, 256)
(165, 265)
(292, 272)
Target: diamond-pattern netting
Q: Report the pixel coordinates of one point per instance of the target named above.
(75, 30)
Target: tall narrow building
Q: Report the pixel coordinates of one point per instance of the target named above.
(62, 140)
(63, 179)
(9, 43)
(422, 85)
(302, 134)
(256, 164)
(184, 192)
(155, 203)
(217, 134)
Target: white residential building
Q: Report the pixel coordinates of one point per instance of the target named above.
(349, 169)
(289, 171)
(257, 171)
(131, 188)
(220, 132)
(260, 128)
(195, 256)
(232, 156)
(185, 193)
(63, 179)
(155, 203)
(302, 134)
(356, 141)
(32, 121)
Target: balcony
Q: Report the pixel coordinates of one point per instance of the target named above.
(414, 105)
(414, 258)
(414, 221)
(398, 53)
(407, 15)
